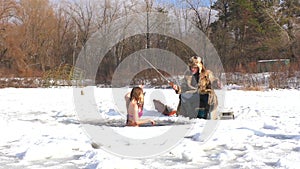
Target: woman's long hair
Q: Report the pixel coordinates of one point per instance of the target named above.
(136, 93)
(203, 70)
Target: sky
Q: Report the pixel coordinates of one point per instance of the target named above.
(174, 2)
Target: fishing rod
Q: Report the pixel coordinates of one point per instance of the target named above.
(169, 82)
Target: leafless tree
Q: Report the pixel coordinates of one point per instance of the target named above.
(202, 14)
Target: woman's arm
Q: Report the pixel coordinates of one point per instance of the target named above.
(144, 121)
(215, 82)
(127, 99)
(176, 88)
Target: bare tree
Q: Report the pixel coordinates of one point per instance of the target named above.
(6, 13)
(82, 14)
(11, 35)
(7, 9)
(203, 14)
(64, 35)
(37, 21)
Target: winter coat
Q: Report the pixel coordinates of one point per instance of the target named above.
(202, 83)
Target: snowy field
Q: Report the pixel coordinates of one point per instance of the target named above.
(40, 129)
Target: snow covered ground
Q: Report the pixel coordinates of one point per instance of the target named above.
(41, 129)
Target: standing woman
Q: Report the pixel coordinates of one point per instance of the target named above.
(134, 104)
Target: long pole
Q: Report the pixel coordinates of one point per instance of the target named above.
(147, 34)
(169, 82)
(148, 46)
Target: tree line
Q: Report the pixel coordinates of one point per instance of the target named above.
(248, 31)
(39, 35)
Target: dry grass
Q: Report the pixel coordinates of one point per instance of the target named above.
(253, 88)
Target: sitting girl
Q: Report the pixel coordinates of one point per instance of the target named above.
(134, 105)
